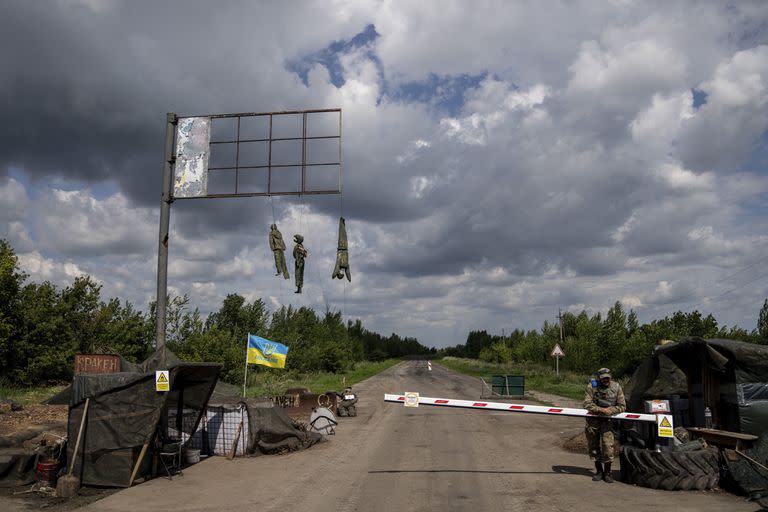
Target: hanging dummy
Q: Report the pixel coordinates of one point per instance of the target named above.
(299, 253)
(342, 256)
(277, 245)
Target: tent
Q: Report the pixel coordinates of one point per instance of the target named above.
(125, 412)
(729, 377)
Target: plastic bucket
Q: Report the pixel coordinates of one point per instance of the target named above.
(46, 473)
(192, 455)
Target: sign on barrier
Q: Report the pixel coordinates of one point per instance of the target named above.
(666, 425)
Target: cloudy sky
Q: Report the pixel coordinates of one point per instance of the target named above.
(501, 159)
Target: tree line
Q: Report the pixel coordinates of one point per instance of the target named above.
(42, 327)
(616, 341)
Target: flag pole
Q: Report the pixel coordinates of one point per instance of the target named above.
(245, 377)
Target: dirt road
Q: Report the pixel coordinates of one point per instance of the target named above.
(429, 458)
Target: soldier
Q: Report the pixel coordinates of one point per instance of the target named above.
(605, 398)
(299, 253)
(278, 249)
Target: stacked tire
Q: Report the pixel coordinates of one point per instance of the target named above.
(670, 470)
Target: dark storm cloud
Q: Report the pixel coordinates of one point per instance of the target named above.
(85, 90)
(492, 172)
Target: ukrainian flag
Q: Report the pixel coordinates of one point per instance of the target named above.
(265, 352)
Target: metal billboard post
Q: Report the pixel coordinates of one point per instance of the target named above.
(162, 246)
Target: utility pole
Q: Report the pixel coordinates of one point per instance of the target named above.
(560, 319)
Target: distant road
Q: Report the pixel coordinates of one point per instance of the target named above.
(392, 458)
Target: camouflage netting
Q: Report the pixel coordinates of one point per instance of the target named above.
(125, 412)
(730, 377)
(270, 430)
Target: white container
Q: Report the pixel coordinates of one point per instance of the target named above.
(192, 455)
(657, 406)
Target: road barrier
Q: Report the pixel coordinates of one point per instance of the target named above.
(500, 406)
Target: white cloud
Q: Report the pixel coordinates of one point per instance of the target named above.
(622, 71)
(13, 201)
(412, 150)
(677, 178)
(76, 222)
(41, 268)
(489, 106)
(741, 81)
(728, 127)
(659, 124)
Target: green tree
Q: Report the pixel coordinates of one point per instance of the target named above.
(581, 348)
(498, 352)
(762, 324)
(78, 304)
(44, 348)
(123, 330)
(614, 335)
(632, 323)
(11, 281)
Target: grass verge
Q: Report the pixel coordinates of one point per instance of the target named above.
(27, 396)
(269, 382)
(537, 377)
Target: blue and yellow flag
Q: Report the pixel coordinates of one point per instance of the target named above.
(265, 352)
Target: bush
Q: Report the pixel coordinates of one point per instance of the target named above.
(499, 352)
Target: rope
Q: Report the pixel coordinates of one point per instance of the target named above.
(344, 281)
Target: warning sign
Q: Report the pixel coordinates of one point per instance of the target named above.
(557, 351)
(666, 425)
(162, 382)
(411, 399)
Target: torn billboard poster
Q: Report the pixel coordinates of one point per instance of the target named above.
(193, 137)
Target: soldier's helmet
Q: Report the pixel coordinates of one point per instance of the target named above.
(603, 373)
(298, 239)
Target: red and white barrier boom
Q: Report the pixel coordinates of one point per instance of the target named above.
(414, 400)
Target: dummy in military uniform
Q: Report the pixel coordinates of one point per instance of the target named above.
(604, 397)
(299, 253)
(342, 256)
(277, 245)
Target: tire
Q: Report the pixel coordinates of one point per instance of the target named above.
(639, 473)
(671, 471)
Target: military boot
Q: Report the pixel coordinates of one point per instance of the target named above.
(607, 476)
(598, 472)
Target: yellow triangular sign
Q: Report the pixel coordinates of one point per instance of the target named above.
(665, 422)
(162, 378)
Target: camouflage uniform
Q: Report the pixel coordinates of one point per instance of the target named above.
(342, 256)
(599, 429)
(299, 253)
(278, 249)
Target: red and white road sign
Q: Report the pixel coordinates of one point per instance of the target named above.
(429, 365)
(500, 406)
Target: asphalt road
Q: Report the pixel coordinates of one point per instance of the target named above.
(392, 458)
